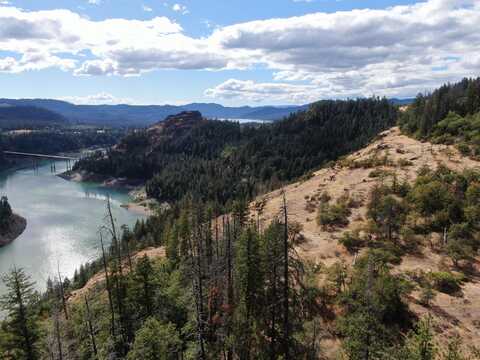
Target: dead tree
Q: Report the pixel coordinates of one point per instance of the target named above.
(90, 328)
(62, 292)
(109, 289)
(286, 324)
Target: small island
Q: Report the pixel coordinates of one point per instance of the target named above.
(11, 224)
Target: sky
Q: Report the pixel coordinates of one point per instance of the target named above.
(234, 52)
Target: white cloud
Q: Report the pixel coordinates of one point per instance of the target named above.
(102, 98)
(396, 51)
(180, 8)
(147, 8)
(95, 2)
(114, 46)
(253, 91)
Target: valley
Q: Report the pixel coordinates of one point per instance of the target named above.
(345, 229)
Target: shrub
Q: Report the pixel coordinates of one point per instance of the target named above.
(464, 149)
(333, 215)
(352, 241)
(446, 282)
(379, 173)
(325, 197)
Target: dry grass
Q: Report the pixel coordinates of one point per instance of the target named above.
(405, 157)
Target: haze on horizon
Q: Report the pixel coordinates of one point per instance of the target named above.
(241, 53)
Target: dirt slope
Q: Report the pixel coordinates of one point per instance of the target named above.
(452, 314)
(99, 278)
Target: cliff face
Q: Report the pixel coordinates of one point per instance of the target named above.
(16, 227)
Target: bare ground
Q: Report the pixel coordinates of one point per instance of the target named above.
(99, 278)
(451, 314)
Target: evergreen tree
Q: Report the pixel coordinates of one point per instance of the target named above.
(19, 304)
(156, 341)
(5, 213)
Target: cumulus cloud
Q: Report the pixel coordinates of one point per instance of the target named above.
(180, 8)
(254, 91)
(396, 51)
(101, 98)
(116, 46)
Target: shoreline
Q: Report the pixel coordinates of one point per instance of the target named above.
(16, 228)
(140, 203)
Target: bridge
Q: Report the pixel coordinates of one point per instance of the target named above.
(68, 159)
(43, 156)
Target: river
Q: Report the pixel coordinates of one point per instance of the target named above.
(63, 219)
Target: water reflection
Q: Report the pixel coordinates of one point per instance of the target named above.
(62, 220)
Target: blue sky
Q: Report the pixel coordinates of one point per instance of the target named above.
(233, 52)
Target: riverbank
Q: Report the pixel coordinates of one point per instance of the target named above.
(17, 226)
(141, 204)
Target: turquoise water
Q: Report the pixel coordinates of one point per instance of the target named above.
(63, 219)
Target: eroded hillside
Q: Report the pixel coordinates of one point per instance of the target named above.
(391, 156)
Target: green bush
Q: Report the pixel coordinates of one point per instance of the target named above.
(464, 149)
(352, 241)
(333, 215)
(446, 282)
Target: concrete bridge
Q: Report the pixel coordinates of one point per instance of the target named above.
(68, 159)
(43, 156)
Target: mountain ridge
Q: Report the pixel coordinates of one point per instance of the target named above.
(125, 115)
(145, 115)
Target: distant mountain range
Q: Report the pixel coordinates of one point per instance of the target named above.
(136, 115)
(139, 116)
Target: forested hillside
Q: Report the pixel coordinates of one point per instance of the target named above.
(220, 161)
(372, 256)
(421, 117)
(17, 117)
(55, 141)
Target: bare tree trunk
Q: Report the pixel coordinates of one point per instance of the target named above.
(90, 328)
(58, 335)
(286, 323)
(197, 292)
(62, 292)
(113, 231)
(109, 290)
(229, 284)
(273, 339)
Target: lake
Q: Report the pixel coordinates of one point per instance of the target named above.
(63, 219)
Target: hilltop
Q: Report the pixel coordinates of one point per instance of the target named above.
(231, 160)
(356, 176)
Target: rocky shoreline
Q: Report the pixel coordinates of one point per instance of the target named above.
(17, 226)
(140, 204)
(107, 181)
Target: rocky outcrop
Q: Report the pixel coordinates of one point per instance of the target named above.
(15, 228)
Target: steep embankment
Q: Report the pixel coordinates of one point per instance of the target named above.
(452, 314)
(17, 225)
(99, 278)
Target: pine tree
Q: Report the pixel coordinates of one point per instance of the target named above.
(144, 286)
(19, 302)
